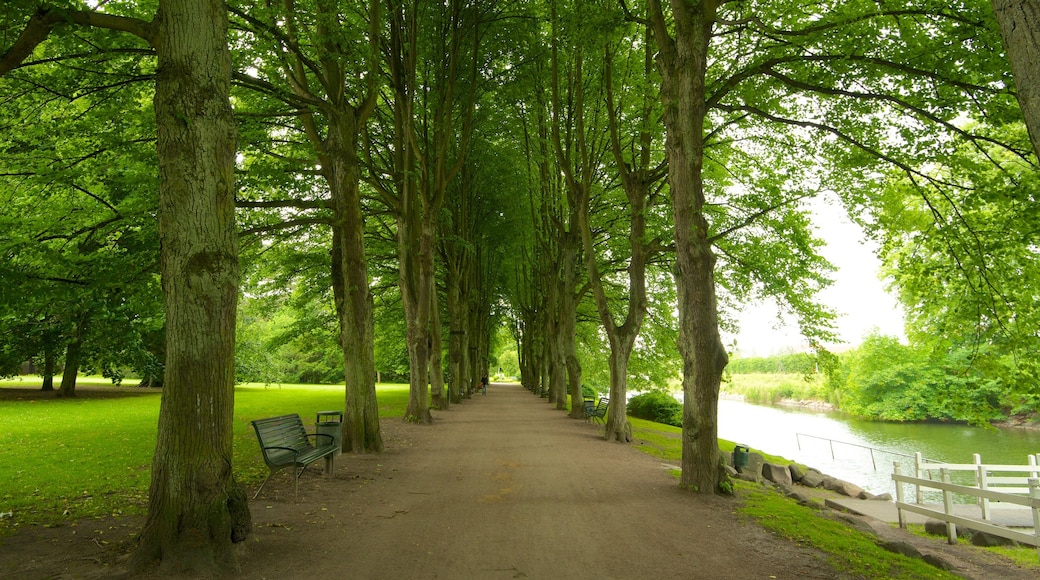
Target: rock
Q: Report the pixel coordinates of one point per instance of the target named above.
(797, 472)
(812, 478)
(776, 473)
(938, 528)
(754, 467)
(937, 562)
(989, 540)
(843, 487)
(901, 547)
(730, 471)
(802, 498)
(882, 497)
(748, 477)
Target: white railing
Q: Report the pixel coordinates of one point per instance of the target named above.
(996, 483)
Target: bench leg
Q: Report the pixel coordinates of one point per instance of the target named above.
(263, 484)
(330, 465)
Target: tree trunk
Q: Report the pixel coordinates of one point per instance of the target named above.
(73, 351)
(342, 169)
(196, 509)
(49, 364)
(438, 400)
(683, 63)
(1020, 28)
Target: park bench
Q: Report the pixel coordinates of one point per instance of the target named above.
(285, 443)
(598, 411)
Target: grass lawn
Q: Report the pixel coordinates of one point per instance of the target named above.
(65, 459)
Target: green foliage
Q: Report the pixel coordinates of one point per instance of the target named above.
(801, 362)
(891, 381)
(771, 388)
(656, 406)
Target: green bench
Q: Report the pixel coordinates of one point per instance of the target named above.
(285, 443)
(598, 411)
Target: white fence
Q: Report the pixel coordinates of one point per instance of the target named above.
(1018, 485)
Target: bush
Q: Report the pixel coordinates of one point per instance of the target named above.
(656, 406)
(588, 392)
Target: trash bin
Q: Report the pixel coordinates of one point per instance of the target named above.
(331, 423)
(740, 456)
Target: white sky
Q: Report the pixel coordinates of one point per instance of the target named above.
(857, 295)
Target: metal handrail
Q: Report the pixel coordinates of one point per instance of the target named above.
(798, 437)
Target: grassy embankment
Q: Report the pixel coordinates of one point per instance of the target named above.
(850, 550)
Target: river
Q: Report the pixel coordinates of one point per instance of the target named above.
(801, 435)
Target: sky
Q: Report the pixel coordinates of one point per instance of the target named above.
(857, 295)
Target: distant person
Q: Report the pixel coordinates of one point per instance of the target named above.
(484, 384)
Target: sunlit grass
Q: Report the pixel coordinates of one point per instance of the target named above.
(65, 459)
(850, 550)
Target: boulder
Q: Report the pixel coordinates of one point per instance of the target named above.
(882, 497)
(938, 528)
(989, 540)
(776, 473)
(843, 487)
(797, 472)
(754, 467)
(901, 547)
(812, 478)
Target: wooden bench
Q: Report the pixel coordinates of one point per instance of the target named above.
(598, 411)
(285, 443)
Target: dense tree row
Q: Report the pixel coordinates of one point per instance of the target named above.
(611, 178)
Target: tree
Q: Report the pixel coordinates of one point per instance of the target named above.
(310, 68)
(1019, 27)
(783, 79)
(196, 510)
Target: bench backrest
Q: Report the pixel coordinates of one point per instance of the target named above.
(281, 431)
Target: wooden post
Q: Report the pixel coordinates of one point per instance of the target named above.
(982, 483)
(951, 528)
(899, 496)
(917, 473)
(1034, 494)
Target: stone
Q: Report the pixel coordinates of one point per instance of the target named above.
(937, 527)
(812, 478)
(776, 473)
(900, 547)
(882, 497)
(754, 467)
(797, 472)
(841, 486)
(989, 540)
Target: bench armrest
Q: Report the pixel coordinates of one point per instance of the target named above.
(332, 440)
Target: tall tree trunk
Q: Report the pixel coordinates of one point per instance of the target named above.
(195, 509)
(682, 62)
(49, 364)
(437, 396)
(1020, 28)
(350, 285)
(73, 353)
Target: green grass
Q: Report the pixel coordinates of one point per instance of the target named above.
(1024, 556)
(849, 550)
(65, 459)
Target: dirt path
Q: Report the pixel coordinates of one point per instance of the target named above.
(502, 486)
(506, 487)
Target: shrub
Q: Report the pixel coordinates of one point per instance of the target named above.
(656, 406)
